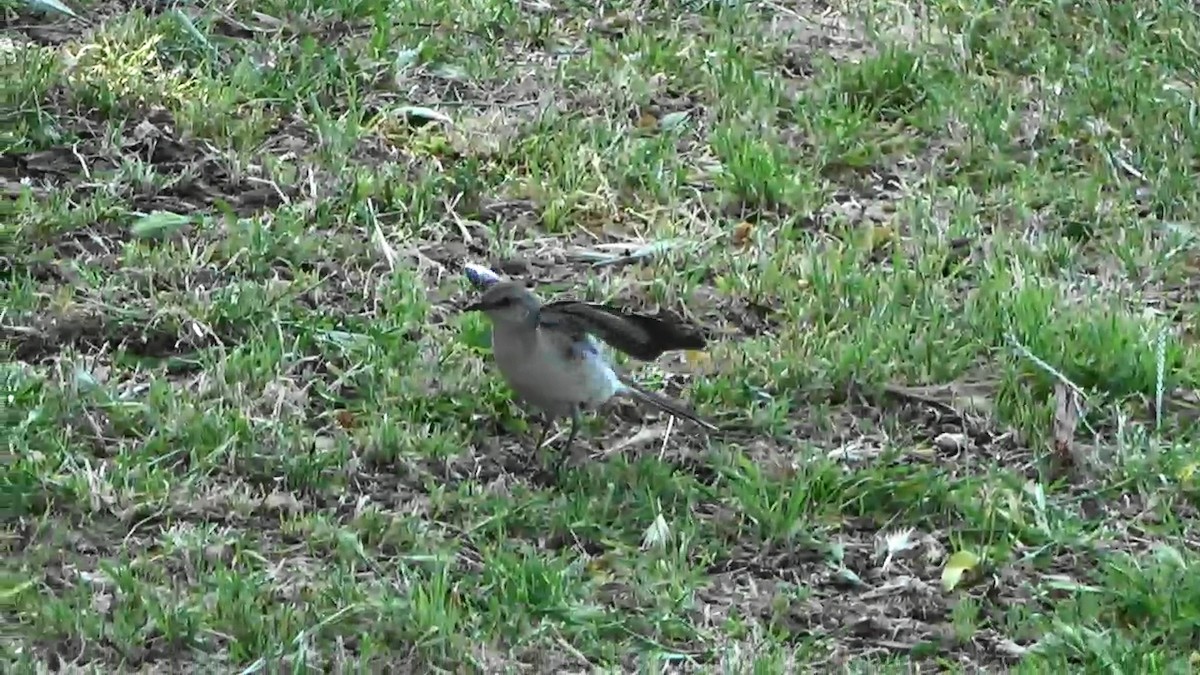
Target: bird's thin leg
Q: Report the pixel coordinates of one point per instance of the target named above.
(564, 452)
(542, 436)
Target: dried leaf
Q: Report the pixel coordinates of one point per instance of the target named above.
(923, 451)
(283, 502)
(657, 534)
(951, 441)
(697, 358)
(958, 565)
(617, 21)
(1186, 472)
(1009, 648)
(417, 113)
(601, 568)
(1066, 420)
(900, 540)
(878, 235)
(646, 121)
(960, 398)
(742, 233)
(644, 436)
(599, 256)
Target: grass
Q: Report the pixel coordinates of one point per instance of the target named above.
(946, 253)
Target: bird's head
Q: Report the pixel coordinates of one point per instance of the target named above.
(507, 302)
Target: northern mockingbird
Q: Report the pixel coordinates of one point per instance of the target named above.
(549, 357)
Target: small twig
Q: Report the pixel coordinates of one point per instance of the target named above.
(275, 186)
(643, 435)
(451, 208)
(900, 391)
(662, 450)
(87, 173)
(574, 652)
(25, 330)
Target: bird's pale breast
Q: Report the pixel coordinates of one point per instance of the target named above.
(547, 374)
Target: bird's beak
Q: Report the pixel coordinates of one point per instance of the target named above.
(473, 307)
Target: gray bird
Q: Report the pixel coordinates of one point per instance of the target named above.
(549, 357)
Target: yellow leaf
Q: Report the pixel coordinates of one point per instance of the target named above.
(878, 236)
(697, 358)
(647, 120)
(741, 234)
(646, 273)
(959, 564)
(1186, 472)
(1016, 510)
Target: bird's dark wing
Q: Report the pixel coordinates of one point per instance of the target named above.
(640, 336)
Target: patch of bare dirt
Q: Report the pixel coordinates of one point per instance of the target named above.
(92, 329)
(197, 175)
(871, 604)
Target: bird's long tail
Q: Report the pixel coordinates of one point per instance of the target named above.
(664, 403)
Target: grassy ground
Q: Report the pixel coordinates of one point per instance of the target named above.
(946, 254)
